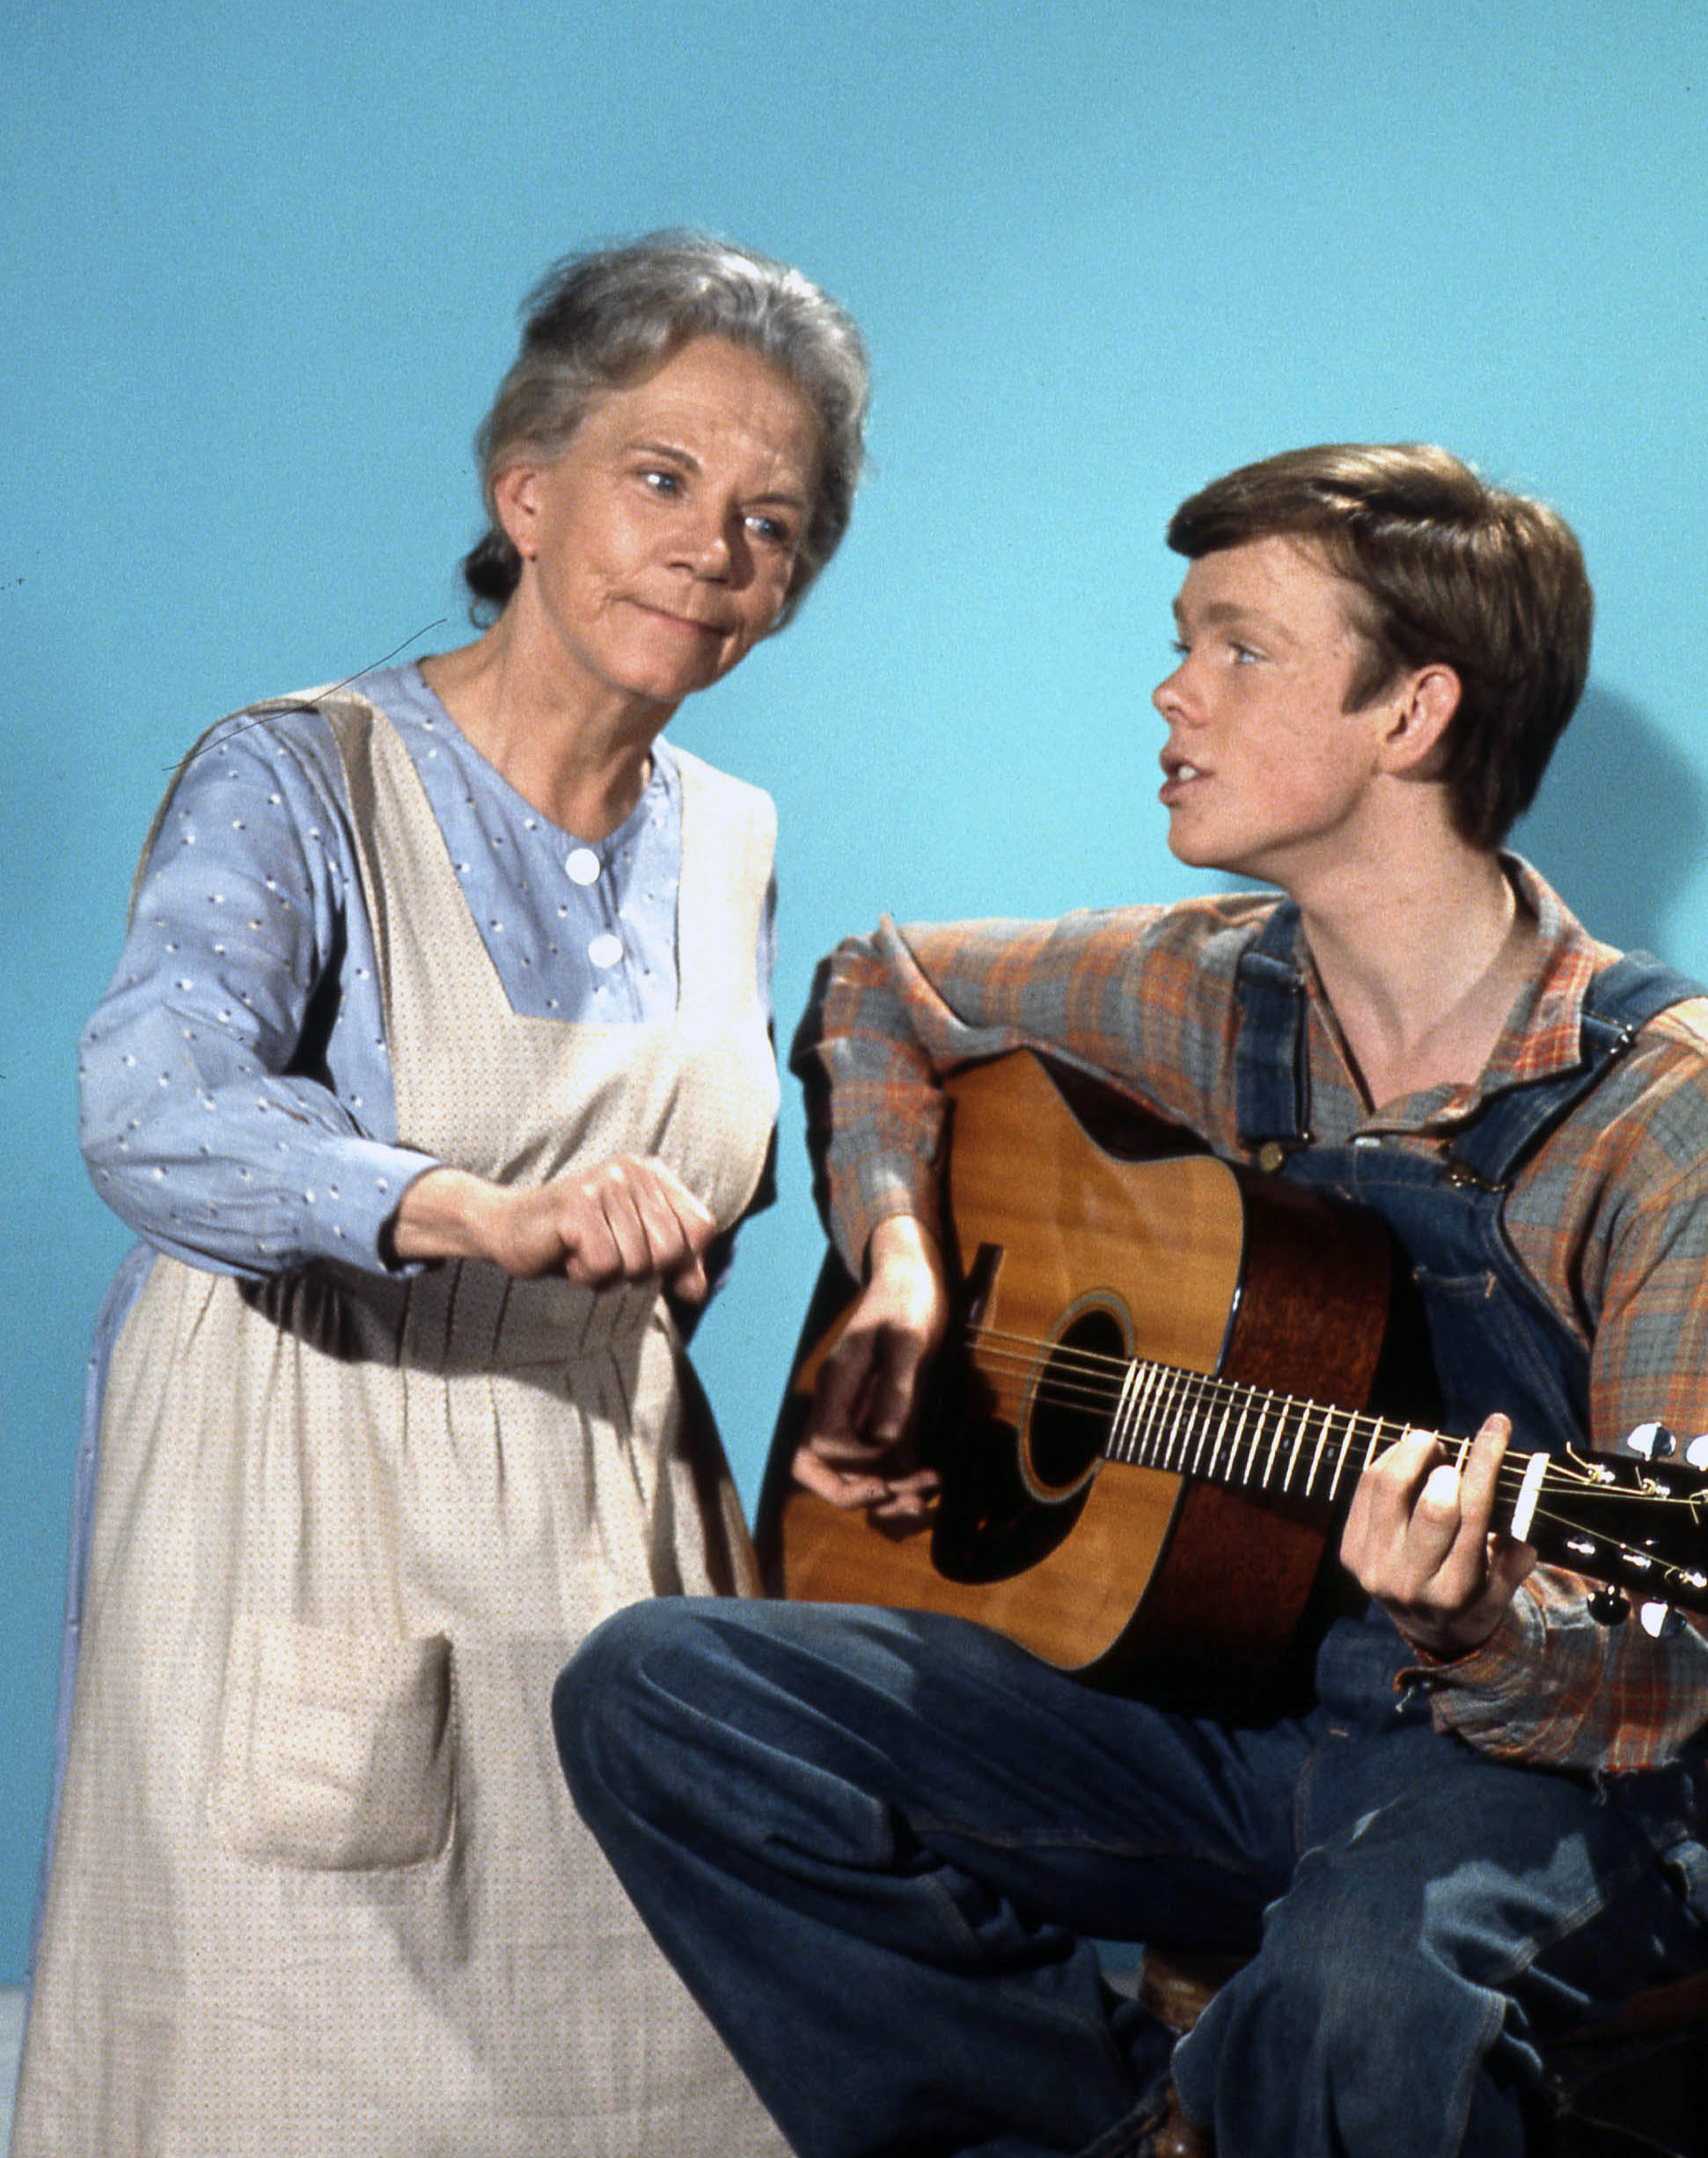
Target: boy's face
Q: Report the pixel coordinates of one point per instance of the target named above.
(1267, 773)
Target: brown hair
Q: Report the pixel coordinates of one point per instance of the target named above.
(1448, 571)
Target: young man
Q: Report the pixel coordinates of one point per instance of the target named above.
(877, 1844)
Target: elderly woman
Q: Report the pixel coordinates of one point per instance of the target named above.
(435, 1074)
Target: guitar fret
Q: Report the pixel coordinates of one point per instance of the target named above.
(1275, 1428)
(1257, 1441)
(1189, 1417)
(1346, 1448)
(1245, 1398)
(1275, 1418)
(1228, 1399)
(1334, 1480)
(1128, 1435)
(1161, 1412)
(1260, 1424)
(1340, 1461)
(1177, 1381)
(1193, 1407)
(1298, 1441)
(1327, 1445)
(1322, 1438)
(1185, 1421)
(1218, 1399)
(1154, 1392)
(1207, 1400)
(1144, 1413)
(1121, 1424)
(1276, 1442)
(1189, 1414)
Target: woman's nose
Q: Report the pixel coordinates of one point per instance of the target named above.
(706, 545)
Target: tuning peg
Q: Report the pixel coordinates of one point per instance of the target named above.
(1608, 1606)
(1653, 1442)
(1696, 1452)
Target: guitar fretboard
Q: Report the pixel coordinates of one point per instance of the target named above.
(1611, 1518)
(1241, 1436)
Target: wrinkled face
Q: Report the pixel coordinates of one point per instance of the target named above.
(660, 545)
(1265, 772)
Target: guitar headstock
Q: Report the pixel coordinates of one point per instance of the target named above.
(1636, 1520)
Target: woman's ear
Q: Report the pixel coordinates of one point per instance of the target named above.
(1424, 710)
(515, 503)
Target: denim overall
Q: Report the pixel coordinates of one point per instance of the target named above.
(1494, 1343)
(881, 1844)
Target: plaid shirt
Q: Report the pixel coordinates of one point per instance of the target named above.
(1609, 1216)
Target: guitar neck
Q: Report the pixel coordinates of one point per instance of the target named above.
(1626, 1523)
(1246, 1438)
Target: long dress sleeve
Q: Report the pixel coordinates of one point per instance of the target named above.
(214, 1121)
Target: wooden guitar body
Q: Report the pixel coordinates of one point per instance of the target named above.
(1072, 1252)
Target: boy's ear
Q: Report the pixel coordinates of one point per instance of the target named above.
(1425, 702)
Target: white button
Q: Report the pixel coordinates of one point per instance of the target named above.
(583, 866)
(605, 951)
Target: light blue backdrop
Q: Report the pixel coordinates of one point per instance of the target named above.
(260, 269)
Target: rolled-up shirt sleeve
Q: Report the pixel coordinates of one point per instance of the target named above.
(209, 1119)
(1139, 996)
(1554, 1687)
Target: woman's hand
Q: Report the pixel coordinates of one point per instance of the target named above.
(858, 1450)
(630, 1219)
(1417, 1537)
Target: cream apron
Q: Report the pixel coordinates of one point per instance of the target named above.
(318, 1887)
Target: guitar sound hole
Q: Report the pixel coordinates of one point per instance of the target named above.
(1072, 1402)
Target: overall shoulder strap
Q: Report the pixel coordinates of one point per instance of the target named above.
(1620, 1002)
(1625, 996)
(1271, 1078)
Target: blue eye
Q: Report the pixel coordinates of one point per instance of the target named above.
(772, 531)
(660, 482)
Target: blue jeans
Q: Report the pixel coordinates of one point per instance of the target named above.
(878, 1847)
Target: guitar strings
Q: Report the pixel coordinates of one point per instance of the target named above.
(1101, 1380)
(1096, 1397)
(1097, 1381)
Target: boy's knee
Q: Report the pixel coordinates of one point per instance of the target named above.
(591, 1702)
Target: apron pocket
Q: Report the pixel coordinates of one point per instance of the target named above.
(334, 1749)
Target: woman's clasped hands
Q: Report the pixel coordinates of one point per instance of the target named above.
(630, 1218)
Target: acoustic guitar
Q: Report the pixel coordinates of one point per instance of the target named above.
(1163, 1377)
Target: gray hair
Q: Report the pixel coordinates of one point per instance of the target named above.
(596, 319)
